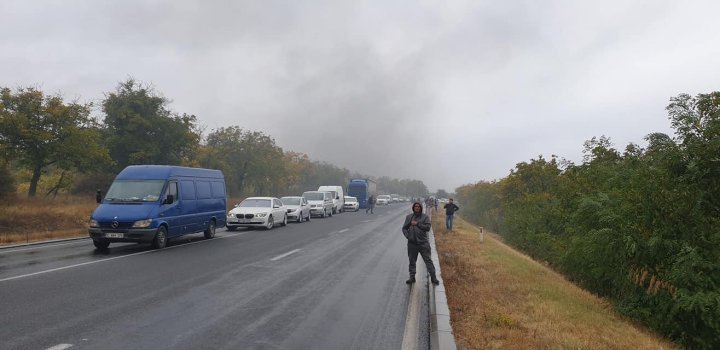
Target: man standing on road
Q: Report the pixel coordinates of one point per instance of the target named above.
(450, 209)
(416, 228)
(370, 204)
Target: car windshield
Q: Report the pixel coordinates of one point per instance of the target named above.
(290, 200)
(258, 203)
(314, 196)
(135, 190)
(350, 199)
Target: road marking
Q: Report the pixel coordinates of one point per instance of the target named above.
(60, 347)
(284, 255)
(412, 319)
(344, 230)
(113, 258)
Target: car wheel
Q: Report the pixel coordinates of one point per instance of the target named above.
(270, 223)
(160, 240)
(300, 217)
(210, 231)
(102, 245)
(284, 222)
(231, 228)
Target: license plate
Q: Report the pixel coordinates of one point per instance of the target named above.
(242, 220)
(113, 235)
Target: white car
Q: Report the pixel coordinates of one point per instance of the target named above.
(257, 212)
(351, 203)
(383, 199)
(298, 208)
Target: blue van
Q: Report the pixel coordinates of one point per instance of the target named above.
(152, 203)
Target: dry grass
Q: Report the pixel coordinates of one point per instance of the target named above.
(38, 219)
(501, 299)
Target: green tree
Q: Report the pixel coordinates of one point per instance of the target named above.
(140, 129)
(250, 160)
(42, 131)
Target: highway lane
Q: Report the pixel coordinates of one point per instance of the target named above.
(328, 284)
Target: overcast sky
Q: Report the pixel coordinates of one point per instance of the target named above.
(448, 92)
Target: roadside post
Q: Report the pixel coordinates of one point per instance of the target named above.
(482, 234)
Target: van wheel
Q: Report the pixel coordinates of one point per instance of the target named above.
(284, 222)
(210, 231)
(102, 245)
(270, 223)
(160, 240)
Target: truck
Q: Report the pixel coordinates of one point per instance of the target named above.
(362, 189)
(153, 203)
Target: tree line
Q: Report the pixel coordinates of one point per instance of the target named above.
(639, 226)
(48, 145)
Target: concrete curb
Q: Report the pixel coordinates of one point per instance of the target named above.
(41, 242)
(441, 334)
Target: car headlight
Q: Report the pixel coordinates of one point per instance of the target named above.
(261, 215)
(230, 214)
(142, 223)
(94, 223)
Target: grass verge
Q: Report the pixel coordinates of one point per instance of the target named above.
(502, 299)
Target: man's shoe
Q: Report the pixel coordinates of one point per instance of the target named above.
(411, 280)
(435, 281)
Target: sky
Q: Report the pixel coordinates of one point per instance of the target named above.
(447, 92)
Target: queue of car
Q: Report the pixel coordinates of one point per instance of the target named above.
(268, 212)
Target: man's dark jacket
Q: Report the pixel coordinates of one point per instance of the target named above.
(417, 234)
(451, 208)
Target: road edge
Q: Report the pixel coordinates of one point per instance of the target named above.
(441, 333)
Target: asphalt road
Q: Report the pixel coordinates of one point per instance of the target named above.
(334, 283)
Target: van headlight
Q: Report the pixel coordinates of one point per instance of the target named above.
(94, 223)
(142, 223)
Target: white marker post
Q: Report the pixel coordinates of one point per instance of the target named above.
(482, 234)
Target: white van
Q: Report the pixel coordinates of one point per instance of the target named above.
(338, 197)
(321, 203)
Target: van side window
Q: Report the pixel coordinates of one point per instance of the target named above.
(187, 188)
(173, 189)
(203, 190)
(218, 190)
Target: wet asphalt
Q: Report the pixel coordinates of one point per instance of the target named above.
(333, 283)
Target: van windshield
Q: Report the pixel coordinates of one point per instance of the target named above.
(135, 190)
(314, 196)
(290, 200)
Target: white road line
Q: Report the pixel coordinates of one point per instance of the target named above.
(113, 258)
(344, 230)
(284, 255)
(60, 347)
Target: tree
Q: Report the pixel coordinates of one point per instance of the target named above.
(442, 194)
(42, 131)
(140, 129)
(249, 159)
